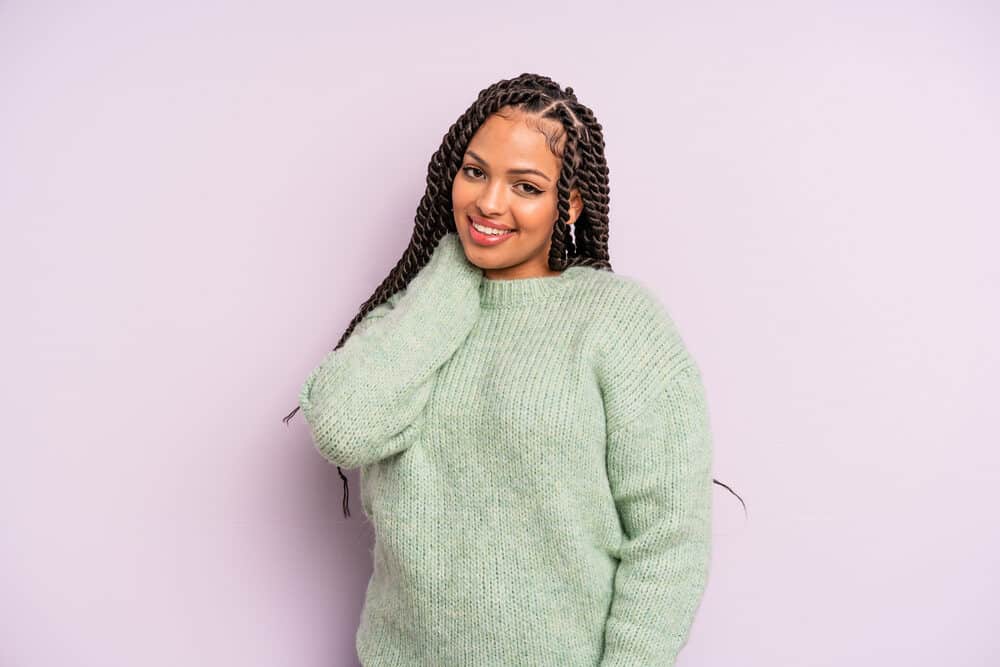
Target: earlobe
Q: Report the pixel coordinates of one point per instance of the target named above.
(575, 206)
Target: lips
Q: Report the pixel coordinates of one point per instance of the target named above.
(483, 222)
(487, 239)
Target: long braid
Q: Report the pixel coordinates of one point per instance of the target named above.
(562, 247)
(580, 146)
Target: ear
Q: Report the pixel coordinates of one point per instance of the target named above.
(575, 205)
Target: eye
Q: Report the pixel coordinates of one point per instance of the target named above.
(473, 172)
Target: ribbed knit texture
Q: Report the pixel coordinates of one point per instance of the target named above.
(535, 459)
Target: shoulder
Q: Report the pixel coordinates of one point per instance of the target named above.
(628, 310)
(610, 287)
(628, 295)
(639, 347)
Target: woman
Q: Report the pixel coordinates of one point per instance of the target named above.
(532, 433)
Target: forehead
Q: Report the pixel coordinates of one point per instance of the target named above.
(516, 140)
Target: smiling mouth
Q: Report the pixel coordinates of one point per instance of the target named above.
(487, 228)
(486, 235)
(492, 231)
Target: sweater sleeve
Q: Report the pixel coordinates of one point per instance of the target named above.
(659, 456)
(365, 400)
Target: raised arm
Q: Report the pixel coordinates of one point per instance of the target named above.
(659, 460)
(365, 401)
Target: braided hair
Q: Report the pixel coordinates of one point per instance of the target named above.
(578, 143)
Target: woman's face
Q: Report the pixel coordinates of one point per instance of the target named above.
(508, 179)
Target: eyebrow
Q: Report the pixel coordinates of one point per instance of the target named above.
(510, 171)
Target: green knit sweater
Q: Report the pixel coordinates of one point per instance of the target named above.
(535, 461)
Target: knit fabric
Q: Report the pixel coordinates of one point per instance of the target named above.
(535, 460)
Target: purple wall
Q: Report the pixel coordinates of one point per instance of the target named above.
(196, 196)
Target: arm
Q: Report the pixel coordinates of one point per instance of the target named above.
(659, 456)
(659, 466)
(364, 402)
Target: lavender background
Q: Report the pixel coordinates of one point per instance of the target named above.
(196, 196)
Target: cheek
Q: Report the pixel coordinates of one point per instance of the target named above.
(462, 193)
(535, 214)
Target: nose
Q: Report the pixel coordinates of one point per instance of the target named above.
(491, 199)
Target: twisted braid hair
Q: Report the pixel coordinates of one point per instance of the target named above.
(579, 143)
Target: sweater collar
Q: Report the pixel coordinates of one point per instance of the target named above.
(522, 291)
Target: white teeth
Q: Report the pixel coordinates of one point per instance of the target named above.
(490, 230)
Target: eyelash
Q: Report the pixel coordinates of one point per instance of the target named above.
(536, 190)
